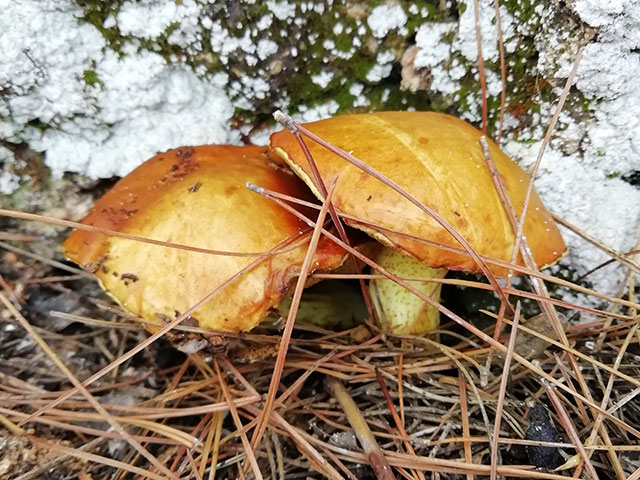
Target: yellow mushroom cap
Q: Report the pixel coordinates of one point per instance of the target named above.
(437, 158)
(197, 196)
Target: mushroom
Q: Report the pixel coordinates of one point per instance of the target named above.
(437, 158)
(196, 196)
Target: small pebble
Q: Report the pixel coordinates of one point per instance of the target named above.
(541, 429)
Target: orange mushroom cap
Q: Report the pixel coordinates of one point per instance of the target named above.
(438, 159)
(197, 196)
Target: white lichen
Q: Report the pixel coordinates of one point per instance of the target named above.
(138, 106)
(385, 18)
(9, 181)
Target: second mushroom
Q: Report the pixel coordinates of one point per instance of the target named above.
(438, 159)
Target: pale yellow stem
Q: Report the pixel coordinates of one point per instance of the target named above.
(398, 310)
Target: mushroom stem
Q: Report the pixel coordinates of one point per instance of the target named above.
(398, 310)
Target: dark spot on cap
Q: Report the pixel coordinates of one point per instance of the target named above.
(191, 321)
(129, 276)
(369, 198)
(186, 156)
(195, 187)
(423, 140)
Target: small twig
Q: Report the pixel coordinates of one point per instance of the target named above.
(361, 428)
(464, 419)
(622, 258)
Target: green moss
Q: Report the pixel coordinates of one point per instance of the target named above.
(434, 14)
(585, 105)
(96, 12)
(38, 125)
(91, 78)
(161, 44)
(524, 10)
(529, 141)
(344, 97)
(343, 42)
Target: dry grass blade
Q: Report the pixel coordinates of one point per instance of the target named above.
(337, 222)
(288, 328)
(439, 465)
(464, 419)
(508, 207)
(397, 420)
(635, 475)
(369, 444)
(215, 432)
(520, 240)
(526, 252)
(503, 71)
(17, 237)
(238, 422)
(12, 427)
(94, 403)
(78, 453)
(47, 261)
(501, 394)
